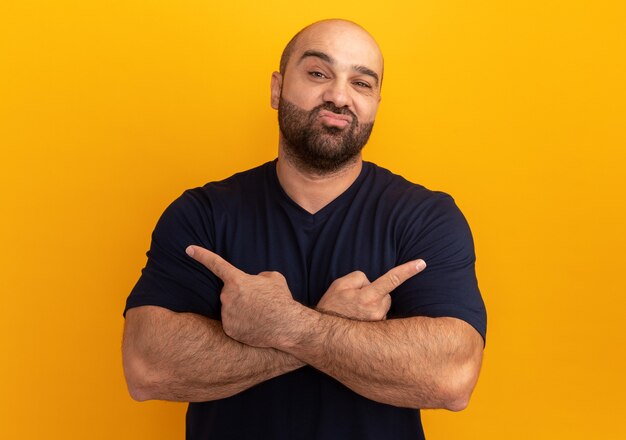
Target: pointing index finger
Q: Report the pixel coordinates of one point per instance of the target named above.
(396, 276)
(216, 264)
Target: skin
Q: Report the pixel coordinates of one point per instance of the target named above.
(310, 81)
(415, 362)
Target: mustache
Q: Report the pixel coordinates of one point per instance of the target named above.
(329, 106)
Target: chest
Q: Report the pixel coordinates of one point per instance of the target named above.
(311, 252)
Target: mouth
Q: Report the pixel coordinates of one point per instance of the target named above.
(331, 119)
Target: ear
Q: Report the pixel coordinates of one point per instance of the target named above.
(276, 86)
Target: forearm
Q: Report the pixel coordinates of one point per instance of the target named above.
(187, 357)
(414, 362)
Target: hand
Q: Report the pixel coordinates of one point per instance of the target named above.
(256, 309)
(353, 296)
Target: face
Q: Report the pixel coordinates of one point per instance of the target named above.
(323, 139)
(328, 97)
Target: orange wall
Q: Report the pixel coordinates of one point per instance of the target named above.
(109, 110)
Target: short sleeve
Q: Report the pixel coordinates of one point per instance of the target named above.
(448, 287)
(171, 278)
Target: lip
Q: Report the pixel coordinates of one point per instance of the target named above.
(334, 119)
(337, 116)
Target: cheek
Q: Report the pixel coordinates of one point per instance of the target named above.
(304, 97)
(367, 111)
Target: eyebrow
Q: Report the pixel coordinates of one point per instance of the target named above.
(366, 71)
(325, 57)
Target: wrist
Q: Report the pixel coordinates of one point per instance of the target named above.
(301, 328)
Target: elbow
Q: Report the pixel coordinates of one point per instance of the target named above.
(457, 390)
(457, 402)
(455, 396)
(138, 387)
(138, 391)
(140, 379)
(138, 394)
(452, 393)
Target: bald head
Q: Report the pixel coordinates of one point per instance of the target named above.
(344, 31)
(327, 95)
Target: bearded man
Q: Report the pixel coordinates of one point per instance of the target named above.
(293, 301)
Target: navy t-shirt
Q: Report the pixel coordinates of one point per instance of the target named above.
(379, 222)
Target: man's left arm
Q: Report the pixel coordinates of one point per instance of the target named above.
(416, 362)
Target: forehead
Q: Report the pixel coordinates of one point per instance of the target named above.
(346, 43)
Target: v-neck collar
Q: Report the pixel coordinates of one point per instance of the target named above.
(337, 203)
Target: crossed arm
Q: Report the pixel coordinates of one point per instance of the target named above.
(414, 362)
(187, 357)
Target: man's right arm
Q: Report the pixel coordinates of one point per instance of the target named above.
(188, 357)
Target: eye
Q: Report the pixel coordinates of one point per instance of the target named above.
(317, 74)
(362, 84)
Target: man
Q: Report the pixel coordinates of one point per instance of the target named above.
(256, 303)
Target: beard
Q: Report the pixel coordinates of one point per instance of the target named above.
(315, 147)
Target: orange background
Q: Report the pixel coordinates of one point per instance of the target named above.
(109, 110)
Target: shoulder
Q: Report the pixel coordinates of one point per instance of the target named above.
(244, 184)
(424, 221)
(242, 181)
(405, 196)
(197, 209)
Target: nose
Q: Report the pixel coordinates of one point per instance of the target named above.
(337, 92)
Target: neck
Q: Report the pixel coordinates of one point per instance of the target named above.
(314, 191)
